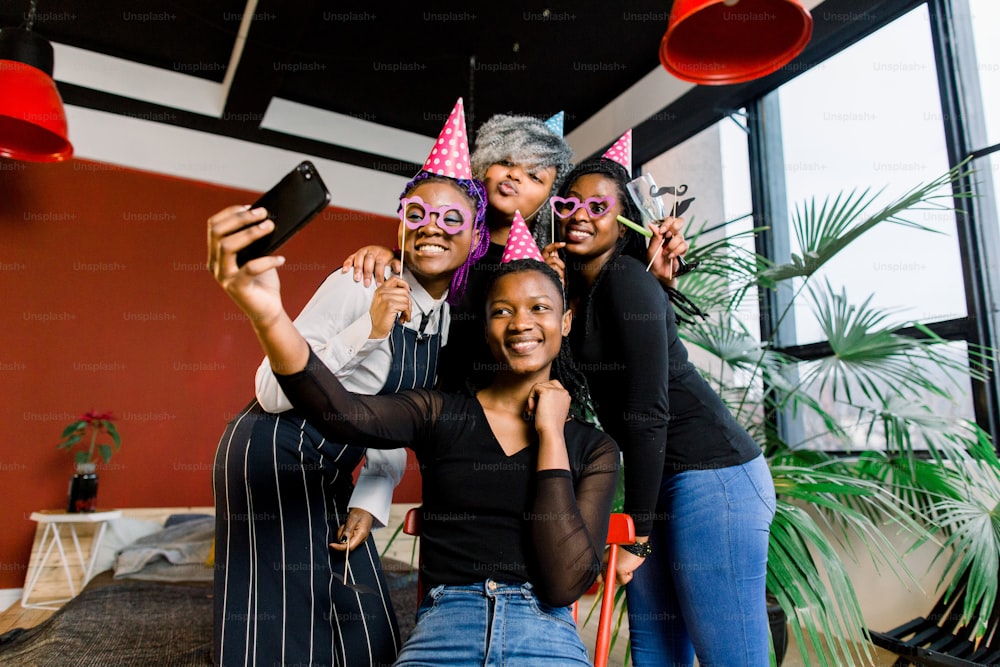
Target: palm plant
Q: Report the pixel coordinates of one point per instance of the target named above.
(936, 478)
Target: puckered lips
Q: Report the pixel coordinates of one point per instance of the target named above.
(507, 188)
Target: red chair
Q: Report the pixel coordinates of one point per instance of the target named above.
(620, 531)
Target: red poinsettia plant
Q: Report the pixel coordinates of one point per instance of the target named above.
(96, 425)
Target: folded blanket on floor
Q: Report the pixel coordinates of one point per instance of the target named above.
(177, 553)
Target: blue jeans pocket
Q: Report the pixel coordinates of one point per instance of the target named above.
(560, 615)
(759, 474)
(430, 602)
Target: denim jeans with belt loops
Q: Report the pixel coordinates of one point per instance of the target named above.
(491, 624)
(702, 590)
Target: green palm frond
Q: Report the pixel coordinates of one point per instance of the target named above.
(728, 339)
(833, 619)
(823, 231)
(848, 510)
(908, 426)
(868, 354)
(726, 270)
(914, 473)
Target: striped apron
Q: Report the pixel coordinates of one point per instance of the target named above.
(281, 492)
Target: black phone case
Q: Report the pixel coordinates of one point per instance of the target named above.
(293, 202)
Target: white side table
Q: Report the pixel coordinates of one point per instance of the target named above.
(52, 538)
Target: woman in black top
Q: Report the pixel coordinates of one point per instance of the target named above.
(696, 484)
(516, 495)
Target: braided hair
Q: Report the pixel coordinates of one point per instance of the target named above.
(629, 243)
(563, 368)
(476, 192)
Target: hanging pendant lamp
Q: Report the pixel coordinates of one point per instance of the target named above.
(717, 42)
(32, 118)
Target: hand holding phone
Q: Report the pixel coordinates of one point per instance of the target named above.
(292, 203)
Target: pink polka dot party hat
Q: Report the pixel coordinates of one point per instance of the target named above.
(450, 155)
(520, 243)
(621, 151)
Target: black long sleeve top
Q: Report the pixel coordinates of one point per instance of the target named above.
(648, 396)
(485, 514)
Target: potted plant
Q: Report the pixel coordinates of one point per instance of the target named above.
(932, 477)
(89, 436)
(907, 462)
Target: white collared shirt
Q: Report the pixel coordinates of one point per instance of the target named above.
(336, 323)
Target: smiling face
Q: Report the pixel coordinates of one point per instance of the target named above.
(512, 187)
(430, 251)
(588, 235)
(525, 322)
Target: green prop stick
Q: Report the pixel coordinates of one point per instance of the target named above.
(634, 227)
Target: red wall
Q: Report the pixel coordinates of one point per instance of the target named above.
(107, 305)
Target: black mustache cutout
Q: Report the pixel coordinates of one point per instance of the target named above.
(679, 207)
(667, 190)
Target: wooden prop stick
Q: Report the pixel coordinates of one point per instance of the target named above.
(663, 240)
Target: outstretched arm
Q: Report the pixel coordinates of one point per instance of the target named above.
(255, 286)
(384, 422)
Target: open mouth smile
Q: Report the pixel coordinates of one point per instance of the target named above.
(524, 345)
(578, 234)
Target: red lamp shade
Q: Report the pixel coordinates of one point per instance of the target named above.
(32, 119)
(731, 41)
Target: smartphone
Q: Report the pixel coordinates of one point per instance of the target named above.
(293, 202)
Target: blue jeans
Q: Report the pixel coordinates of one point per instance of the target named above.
(702, 591)
(491, 624)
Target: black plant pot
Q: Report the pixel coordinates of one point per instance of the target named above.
(83, 489)
(778, 621)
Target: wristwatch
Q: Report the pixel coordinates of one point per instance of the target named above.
(640, 549)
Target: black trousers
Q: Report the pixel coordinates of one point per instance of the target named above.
(281, 491)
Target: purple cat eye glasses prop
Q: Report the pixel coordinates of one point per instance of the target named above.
(414, 212)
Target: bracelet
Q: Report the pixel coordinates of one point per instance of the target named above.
(640, 549)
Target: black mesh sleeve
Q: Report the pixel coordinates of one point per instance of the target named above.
(569, 526)
(382, 422)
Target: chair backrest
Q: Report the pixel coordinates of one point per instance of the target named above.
(938, 640)
(621, 530)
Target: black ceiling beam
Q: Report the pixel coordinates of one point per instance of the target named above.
(836, 24)
(126, 106)
(274, 36)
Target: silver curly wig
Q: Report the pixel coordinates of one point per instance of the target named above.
(528, 141)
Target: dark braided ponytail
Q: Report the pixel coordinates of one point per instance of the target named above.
(630, 243)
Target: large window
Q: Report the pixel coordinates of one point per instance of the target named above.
(714, 165)
(984, 16)
(889, 112)
(982, 79)
(870, 117)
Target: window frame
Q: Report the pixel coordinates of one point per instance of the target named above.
(977, 227)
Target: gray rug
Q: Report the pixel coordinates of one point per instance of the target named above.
(125, 622)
